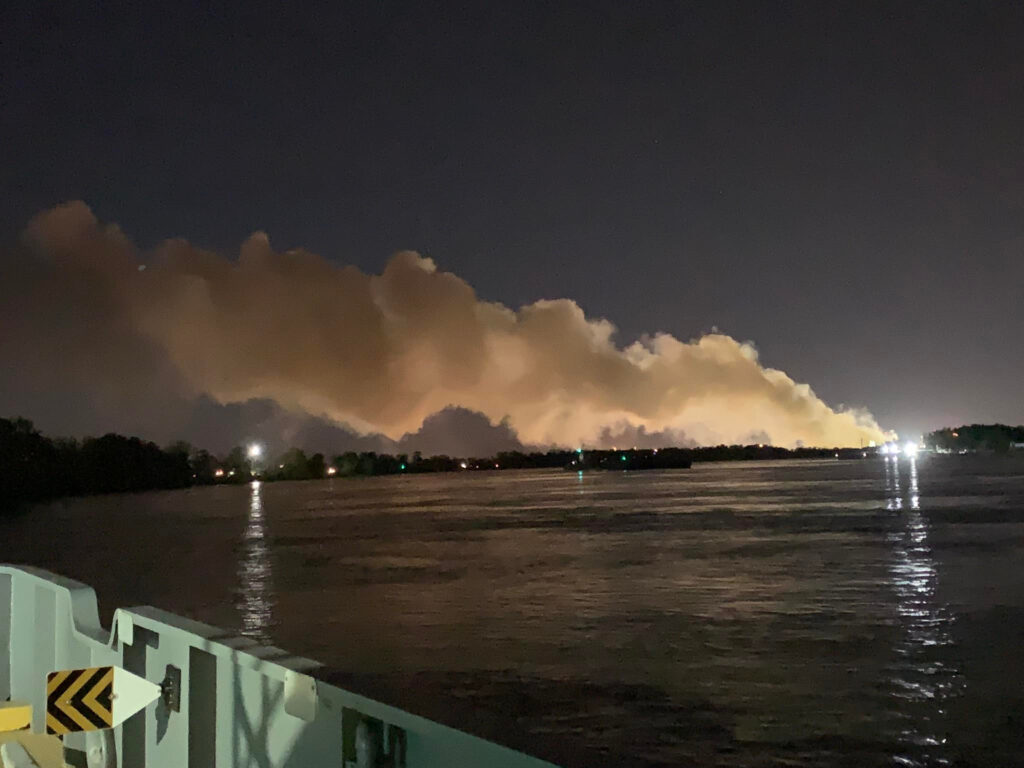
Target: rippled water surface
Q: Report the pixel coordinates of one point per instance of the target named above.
(790, 613)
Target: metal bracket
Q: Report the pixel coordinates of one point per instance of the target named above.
(170, 688)
(369, 743)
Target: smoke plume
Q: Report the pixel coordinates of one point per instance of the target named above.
(88, 322)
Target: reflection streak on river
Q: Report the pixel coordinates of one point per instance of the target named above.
(919, 675)
(255, 601)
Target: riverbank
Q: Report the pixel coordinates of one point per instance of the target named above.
(38, 468)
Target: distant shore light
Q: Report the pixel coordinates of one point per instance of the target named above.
(255, 451)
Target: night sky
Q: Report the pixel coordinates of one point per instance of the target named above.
(842, 184)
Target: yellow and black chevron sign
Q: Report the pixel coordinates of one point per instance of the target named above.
(79, 700)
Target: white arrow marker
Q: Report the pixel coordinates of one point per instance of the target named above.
(131, 693)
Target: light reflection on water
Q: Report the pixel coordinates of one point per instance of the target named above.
(920, 679)
(841, 614)
(255, 595)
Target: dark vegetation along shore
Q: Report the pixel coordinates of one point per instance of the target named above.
(35, 468)
(974, 438)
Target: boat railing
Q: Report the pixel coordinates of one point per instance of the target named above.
(228, 701)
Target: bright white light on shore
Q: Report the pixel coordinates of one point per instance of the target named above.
(884, 450)
(331, 470)
(255, 451)
(464, 465)
(910, 449)
(218, 473)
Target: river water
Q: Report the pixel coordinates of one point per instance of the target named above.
(828, 613)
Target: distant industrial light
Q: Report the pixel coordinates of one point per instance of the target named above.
(331, 470)
(255, 451)
(464, 465)
(910, 449)
(956, 434)
(218, 473)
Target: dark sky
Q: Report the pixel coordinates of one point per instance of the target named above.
(841, 183)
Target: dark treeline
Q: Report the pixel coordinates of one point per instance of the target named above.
(763, 453)
(975, 437)
(36, 468)
(670, 458)
(295, 465)
(677, 458)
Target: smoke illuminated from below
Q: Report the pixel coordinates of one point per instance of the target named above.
(137, 333)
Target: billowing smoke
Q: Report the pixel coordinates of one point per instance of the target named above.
(143, 334)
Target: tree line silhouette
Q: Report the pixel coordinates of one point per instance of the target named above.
(36, 468)
(997, 438)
